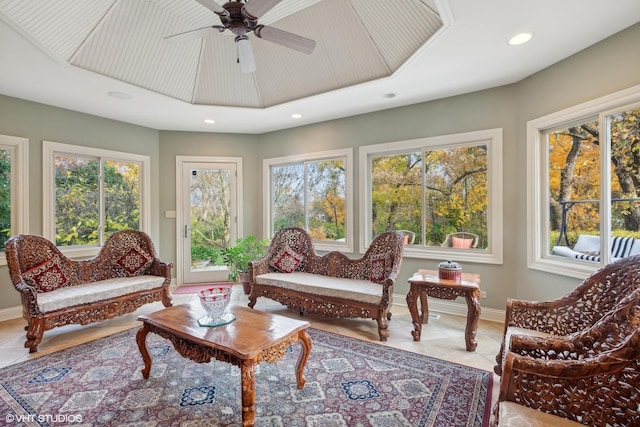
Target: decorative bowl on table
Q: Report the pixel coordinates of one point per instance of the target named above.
(215, 302)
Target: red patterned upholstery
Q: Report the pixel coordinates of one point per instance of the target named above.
(135, 261)
(287, 260)
(46, 276)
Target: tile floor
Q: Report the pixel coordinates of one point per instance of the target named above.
(442, 337)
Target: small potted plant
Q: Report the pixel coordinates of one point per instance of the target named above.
(237, 258)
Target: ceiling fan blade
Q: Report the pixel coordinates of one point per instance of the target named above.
(285, 38)
(254, 9)
(194, 34)
(214, 7)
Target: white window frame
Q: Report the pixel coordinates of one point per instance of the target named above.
(493, 254)
(323, 245)
(537, 182)
(50, 149)
(19, 149)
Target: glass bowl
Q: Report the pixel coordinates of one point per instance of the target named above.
(215, 301)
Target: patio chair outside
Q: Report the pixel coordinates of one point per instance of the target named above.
(461, 239)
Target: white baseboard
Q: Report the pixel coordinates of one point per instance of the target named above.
(450, 307)
(10, 313)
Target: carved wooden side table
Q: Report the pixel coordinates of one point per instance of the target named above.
(427, 283)
(255, 336)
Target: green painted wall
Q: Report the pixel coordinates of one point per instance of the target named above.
(605, 68)
(38, 123)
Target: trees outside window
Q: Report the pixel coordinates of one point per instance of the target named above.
(211, 217)
(83, 216)
(434, 187)
(576, 178)
(93, 194)
(13, 188)
(5, 194)
(312, 192)
(588, 158)
(435, 191)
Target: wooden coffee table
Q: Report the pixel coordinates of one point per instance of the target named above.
(255, 336)
(427, 282)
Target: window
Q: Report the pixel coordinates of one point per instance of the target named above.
(588, 162)
(444, 193)
(13, 188)
(92, 193)
(311, 191)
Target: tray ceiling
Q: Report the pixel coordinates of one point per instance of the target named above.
(356, 41)
(107, 57)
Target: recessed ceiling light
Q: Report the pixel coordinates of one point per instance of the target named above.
(119, 95)
(296, 116)
(520, 39)
(210, 121)
(389, 95)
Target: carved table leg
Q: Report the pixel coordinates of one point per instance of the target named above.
(424, 308)
(141, 338)
(412, 303)
(473, 315)
(305, 341)
(248, 393)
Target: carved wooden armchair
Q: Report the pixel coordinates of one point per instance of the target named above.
(575, 311)
(590, 377)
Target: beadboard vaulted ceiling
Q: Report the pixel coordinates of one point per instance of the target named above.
(370, 55)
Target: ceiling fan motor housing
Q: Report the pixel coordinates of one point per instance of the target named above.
(237, 20)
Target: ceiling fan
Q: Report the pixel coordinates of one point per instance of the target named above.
(242, 18)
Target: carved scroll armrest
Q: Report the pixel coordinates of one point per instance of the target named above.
(553, 371)
(259, 266)
(543, 347)
(29, 296)
(387, 286)
(589, 388)
(161, 268)
(544, 316)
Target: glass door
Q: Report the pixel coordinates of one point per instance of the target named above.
(209, 219)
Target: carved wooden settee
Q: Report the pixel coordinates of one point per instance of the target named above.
(57, 291)
(331, 285)
(589, 378)
(575, 311)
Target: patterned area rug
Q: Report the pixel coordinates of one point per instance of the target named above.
(194, 289)
(349, 383)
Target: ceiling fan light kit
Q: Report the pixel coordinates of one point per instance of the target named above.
(245, 55)
(241, 19)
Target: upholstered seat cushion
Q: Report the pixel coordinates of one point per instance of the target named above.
(514, 415)
(587, 248)
(352, 289)
(86, 293)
